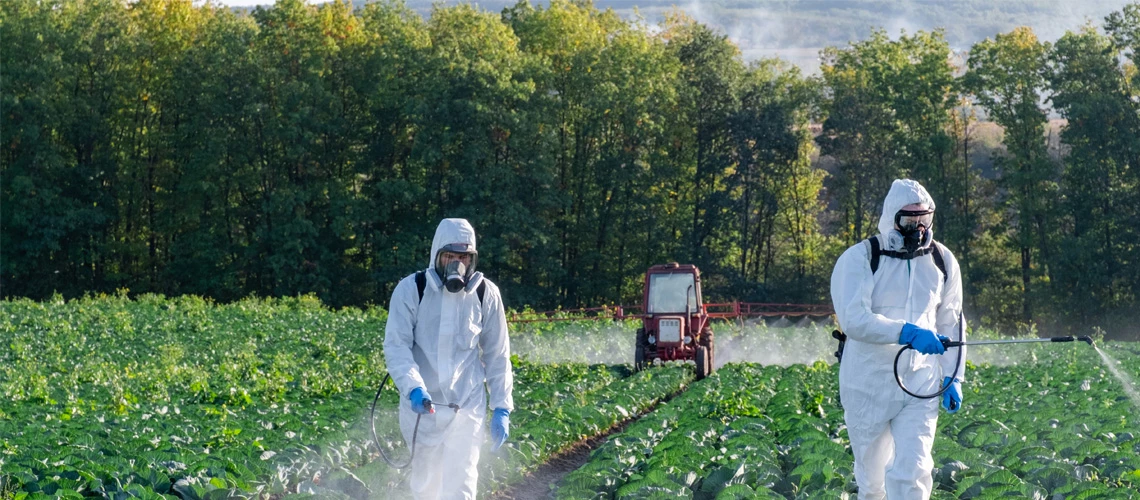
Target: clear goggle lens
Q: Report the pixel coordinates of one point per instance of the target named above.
(910, 220)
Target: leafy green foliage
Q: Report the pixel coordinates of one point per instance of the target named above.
(1056, 423)
(1052, 424)
(706, 444)
(164, 147)
(108, 395)
(171, 148)
(111, 396)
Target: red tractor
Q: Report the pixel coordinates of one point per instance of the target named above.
(676, 323)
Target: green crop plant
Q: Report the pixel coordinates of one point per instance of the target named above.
(150, 397)
(110, 396)
(1045, 421)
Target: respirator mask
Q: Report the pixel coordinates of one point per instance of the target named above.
(913, 225)
(456, 273)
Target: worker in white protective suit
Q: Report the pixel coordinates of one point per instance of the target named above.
(446, 336)
(914, 296)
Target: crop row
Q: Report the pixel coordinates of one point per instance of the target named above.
(1057, 425)
(571, 402)
(160, 397)
(745, 431)
(109, 396)
(155, 397)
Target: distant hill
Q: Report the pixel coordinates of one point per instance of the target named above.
(796, 30)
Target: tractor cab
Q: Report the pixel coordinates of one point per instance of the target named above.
(676, 324)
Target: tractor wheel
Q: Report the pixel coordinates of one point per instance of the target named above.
(702, 362)
(639, 351)
(712, 352)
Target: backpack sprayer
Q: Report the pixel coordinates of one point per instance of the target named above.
(946, 343)
(372, 424)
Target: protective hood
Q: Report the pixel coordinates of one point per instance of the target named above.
(903, 192)
(448, 232)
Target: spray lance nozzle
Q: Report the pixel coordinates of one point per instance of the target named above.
(1067, 338)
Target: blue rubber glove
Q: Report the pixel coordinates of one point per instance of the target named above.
(419, 397)
(952, 398)
(921, 339)
(500, 422)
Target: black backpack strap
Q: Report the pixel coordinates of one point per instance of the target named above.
(481, 290)
(937, 254)
(935, 249)
(876, 252)
(421, 283)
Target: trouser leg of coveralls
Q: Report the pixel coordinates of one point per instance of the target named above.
(426, 476)
(913, 429)
(873, 447)
(449, 470)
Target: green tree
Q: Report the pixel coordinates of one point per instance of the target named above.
(775, 187)
(392, 219)
(1124, 28)
(471, 129)
(212, 91)
(563, 44)
(301, 168)
(1006, 76)
(65, 73)
(888, 112)
(708, 95)
(1095, 277)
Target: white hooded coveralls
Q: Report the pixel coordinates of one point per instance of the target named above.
(892, 433)
(449, 344)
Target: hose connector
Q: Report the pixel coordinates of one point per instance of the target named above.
(947, 343)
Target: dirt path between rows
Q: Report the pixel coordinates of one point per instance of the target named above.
(539, 485)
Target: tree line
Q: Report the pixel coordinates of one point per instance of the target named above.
(163, 147)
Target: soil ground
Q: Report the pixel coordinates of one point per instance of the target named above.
(539, 485)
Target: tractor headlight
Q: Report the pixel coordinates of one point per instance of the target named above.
(688, 340)
(652, 339)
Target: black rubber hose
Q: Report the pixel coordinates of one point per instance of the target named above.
(898, 379)
(376, 441)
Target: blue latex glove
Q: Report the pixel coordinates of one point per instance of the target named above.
(952, 398)
(419, 397)
(500, 422)
(921, 339)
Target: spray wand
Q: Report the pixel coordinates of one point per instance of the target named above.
(954, 343)
(958, 343)
(372, 424)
